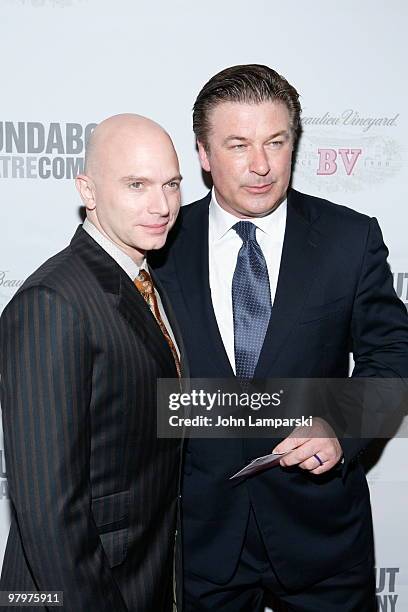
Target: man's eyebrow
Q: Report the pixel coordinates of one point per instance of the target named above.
(240, 138)
(135, 178)
(280, 133)
(243, 139)
(145, 179)
(178, 177)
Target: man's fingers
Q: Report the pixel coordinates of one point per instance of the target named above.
(312, 463)
(321, 469)
(308, 454)
(297, 455)
(289, 444)
(302, 451)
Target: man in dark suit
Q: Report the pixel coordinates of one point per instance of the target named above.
(268, 282)
(93, 491)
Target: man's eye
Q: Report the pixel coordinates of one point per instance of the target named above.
(174, 185)
(238, 146)
(136, 185)
(277, 143)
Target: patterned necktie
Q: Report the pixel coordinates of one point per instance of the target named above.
(144, 284)
(251, 301)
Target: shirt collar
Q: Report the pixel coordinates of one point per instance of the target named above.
(222, 221)
(122, 259)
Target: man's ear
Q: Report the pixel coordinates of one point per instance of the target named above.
(86, 189)
(204, 156)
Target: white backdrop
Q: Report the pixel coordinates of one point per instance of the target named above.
(69, 63)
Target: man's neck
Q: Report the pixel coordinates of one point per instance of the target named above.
(135, 255)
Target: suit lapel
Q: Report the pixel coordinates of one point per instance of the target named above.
(300, 256)
(173, 323)
(132, 306)
(129, 302)
(193, 275)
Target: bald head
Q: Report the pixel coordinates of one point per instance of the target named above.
(131, 183)
(116, 132)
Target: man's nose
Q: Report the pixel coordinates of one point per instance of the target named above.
(159, 204)
(259, 162)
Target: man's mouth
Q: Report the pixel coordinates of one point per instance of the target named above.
(259, 188)
(156, 228)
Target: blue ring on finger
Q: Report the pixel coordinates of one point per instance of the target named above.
(318, 458)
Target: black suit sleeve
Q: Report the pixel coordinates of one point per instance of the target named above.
(379, 330)
(46, 368)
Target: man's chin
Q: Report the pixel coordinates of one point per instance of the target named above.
(259, 206)
(157, 243)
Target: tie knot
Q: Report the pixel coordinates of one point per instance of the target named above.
(245, 230)
(143, 282)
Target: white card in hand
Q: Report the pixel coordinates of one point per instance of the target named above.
(260, 463)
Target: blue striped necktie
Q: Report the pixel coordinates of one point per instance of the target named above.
(251, 301)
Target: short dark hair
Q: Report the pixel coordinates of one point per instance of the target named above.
(246, 83)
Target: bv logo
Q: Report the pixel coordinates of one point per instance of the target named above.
(328, 164)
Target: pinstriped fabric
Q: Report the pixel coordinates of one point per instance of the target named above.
(93, 491)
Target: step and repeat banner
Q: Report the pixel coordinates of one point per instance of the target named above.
(68, 64)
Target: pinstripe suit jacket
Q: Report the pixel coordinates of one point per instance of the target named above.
(93, 491)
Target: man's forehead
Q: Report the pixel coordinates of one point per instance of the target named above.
(142, 154)
(228, 116)
(149, 170)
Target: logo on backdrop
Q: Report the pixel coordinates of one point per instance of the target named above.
(387, 597)
(401, 286)
(42, 150)
(348, 151)
(8, 286)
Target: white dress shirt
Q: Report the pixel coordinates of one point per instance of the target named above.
(224, 245)
(129, 266)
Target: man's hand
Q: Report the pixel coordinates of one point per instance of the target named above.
(306, 442)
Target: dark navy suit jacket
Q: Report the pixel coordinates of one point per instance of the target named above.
(334, 294)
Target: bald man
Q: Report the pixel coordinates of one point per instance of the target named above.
(93, 491)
